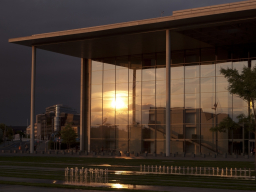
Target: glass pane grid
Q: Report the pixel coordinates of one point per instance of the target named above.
(200, 95)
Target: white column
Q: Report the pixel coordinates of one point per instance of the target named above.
(89, 72)
(85, 104)
(168, 61)
(82, 107)
(32, 105)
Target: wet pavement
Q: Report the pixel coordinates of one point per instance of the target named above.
(7, 188)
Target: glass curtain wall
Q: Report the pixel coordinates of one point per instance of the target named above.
(128, 103)
(128, 97)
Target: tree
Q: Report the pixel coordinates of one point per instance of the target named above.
(21, 134)
(227, 124)
(9, 133)
(244, 86)
(1, 135)
(2, 132)
(2, 126)
(68, 135)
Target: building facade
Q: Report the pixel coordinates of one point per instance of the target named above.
(53, 120)
(155, 85)
(128, 102)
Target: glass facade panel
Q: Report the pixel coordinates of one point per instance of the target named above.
(96, 118)
(109, 64)
(128, 102)
(177, 86)
(148, 88)
(122, 89)
(160, 101)
(109, 76)
(207, 102)
(137, 115)
(253, 64)
(148, 74)
(137, 89)
(208, 70)
(208, 85)
(138, 75)
(160, 74)
(160, 87)
(96, 77)
(177, 101)
(108, 117)
(192, 101)
(135, 134)
(224, 100)
(96, 91)
(122, 132)
(96, 105)
(97, 66)
(192, 86)
(148, 135)
(160, 116)
(147, 102)
(138, 103)
(148, 116)
(122, 75)
(109, 90)
(177, 72)
(108, 104)
(122, 117)
(192, 71)
(221, 84)
(225, 65)
(120, 103)
(240, 65)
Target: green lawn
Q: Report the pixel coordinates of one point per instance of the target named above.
(53, 168)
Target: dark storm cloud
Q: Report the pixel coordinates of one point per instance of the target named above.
(58, 75)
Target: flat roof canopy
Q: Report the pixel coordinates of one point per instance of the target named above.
(211, 26)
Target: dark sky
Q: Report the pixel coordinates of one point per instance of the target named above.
(58, 76)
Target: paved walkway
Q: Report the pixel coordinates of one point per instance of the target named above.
(20, 188)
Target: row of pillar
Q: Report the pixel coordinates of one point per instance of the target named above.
(85, 98)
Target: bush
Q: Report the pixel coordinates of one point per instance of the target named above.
(63, 145)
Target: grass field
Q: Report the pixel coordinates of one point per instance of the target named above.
(53, 168)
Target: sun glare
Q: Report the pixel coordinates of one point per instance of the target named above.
(118, 103)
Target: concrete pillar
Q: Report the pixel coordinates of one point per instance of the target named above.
(85, 105)
(134, 98)
(168, 106)
(32, 104)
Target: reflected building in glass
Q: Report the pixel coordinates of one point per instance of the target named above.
(155, 85)
(128, 102)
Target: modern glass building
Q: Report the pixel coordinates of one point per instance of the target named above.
(128, 102)
(155, 85)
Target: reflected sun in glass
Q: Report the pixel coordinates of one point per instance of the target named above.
(118, 103)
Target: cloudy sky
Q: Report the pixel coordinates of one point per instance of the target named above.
(58, 76)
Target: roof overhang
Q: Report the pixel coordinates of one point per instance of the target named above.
(148, 35)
